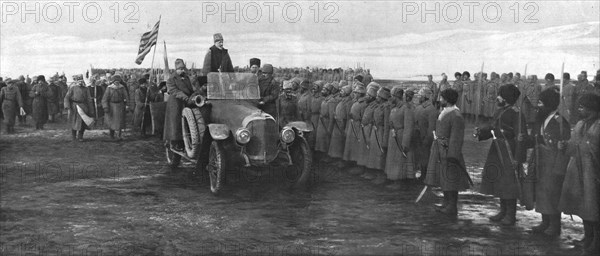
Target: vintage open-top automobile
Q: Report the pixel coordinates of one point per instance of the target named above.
(240, 134)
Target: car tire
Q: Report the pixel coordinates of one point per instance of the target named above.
(302, 160)
(172, 159)
(216, 167)
(193, 128)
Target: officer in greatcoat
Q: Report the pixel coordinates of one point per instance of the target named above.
(581, 188)
(78, 96)
(446, 167)
(501, 172)
(548, 163)
(323, 124)
(400, 161)
(40, 94)
(315, 111)
(353, 144)
(287, 105)
(217, 58)
(269, 90)
(426, 115)
(181, 95)
(340, 120)
(114, 103)
(12, 104)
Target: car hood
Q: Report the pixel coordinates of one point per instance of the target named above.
(236, 113)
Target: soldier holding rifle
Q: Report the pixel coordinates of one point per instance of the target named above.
(549, 163)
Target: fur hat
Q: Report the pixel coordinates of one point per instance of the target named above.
(179, 63)
(373, 84)
(347, 89)
(510, 93)
(425, 92)
(305, 84)
(267, 68)
(550, 97)
(218, 37)
(360, 89)
(359, 78)
(384, 93)
(287, 84)
(41, 78)
(372, 91)
(254, 61)
(450, 95)
(397, 91)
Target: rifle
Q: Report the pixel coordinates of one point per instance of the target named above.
(510, 157)
(478, 100)
(95, 101)
(144, 109)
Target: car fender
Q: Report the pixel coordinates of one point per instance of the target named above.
(218, 131)
(300, 126)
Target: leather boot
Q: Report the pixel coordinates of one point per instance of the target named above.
(444, 202)
(112, 134)
(594, 247)
(451, 207)
(500, 215)
(554, 228)
(74, 135)
(80, 135)
(511, 213)
(542, 226)
(588, 233)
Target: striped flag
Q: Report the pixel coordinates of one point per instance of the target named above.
(148, 40)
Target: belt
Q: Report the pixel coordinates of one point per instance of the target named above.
(117, 102)
(74, 101)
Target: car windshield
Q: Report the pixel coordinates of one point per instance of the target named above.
(232, 86)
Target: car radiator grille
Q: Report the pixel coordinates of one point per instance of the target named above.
(264, 140)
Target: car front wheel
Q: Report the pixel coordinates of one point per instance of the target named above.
(216, 167)
(299, 173)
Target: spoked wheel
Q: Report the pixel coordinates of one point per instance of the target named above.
(172, 159)
(193, 127)
(216, 167)
(299, 173)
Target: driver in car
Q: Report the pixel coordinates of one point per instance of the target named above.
(181, 94)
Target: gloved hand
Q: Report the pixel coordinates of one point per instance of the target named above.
(22, 112)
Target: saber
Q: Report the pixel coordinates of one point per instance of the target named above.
(377, 138)
(362, 129)
(421, 194)
(512, 161)
(353, 130)
(398, 144)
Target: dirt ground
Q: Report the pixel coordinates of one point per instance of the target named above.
(100, 197)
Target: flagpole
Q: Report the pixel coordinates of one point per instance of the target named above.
(150, 80)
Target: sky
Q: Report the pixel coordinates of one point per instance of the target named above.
(395, 39)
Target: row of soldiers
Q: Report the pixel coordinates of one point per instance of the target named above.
(37, 98)
(104, 99)
(477, 96)
(537, 160)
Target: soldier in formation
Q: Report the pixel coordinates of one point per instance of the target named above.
(12, 104)
(78, 102)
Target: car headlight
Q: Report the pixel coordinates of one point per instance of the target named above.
(287, 135)
(242, 135)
